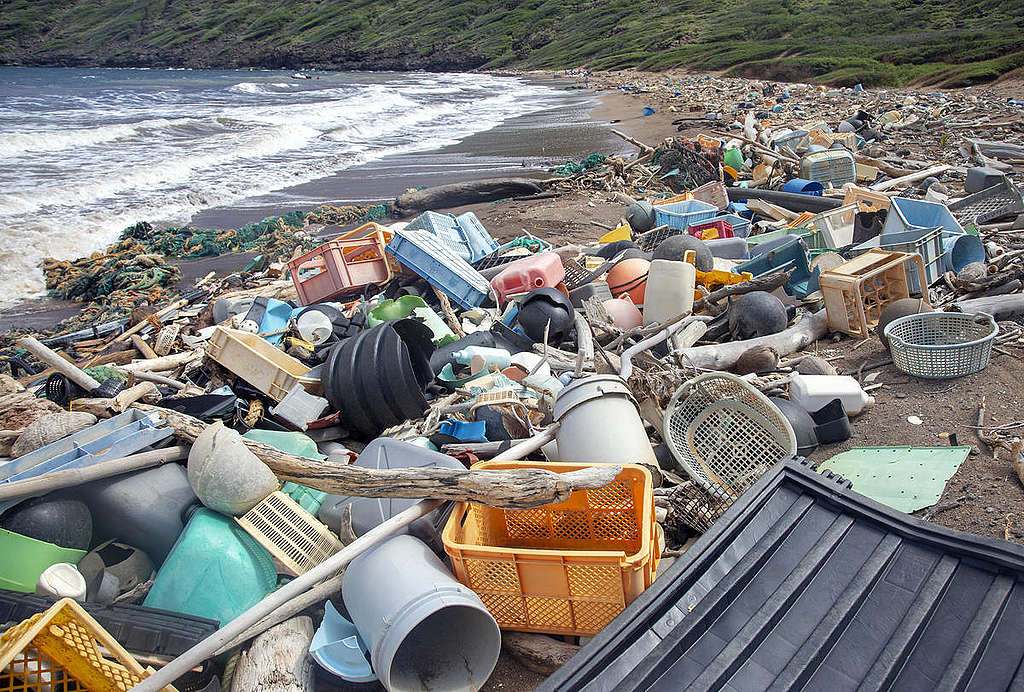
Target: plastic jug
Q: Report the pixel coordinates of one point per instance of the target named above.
(145, 509)
(669, 292)
(215, 570)
(600, 423)
(522, 276)
(487, 358)
(814, 392)
(61, 580)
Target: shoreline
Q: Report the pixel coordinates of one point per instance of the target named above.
(609, 109)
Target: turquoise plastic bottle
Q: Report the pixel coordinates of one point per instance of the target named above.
(215, 570)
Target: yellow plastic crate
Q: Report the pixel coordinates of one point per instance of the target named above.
(64, 648)
(566, 568)
(869, 200)
(258, 362)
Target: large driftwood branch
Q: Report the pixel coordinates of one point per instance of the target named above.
(724, 356)
(519, 489)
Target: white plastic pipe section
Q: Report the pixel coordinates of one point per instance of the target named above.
(689, 330)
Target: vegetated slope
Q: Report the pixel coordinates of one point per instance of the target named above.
(877, 42)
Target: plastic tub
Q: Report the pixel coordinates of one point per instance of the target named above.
(423, 629)
(24, 559)
(566, 568)
(600, 423)
(802, 186)
(669, 292)
(962, 249)
(710, 230)
(912, 214)
(215, 570)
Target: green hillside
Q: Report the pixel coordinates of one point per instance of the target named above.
(877, 42)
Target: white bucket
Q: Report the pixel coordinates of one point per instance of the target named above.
(424, 630)
(600, 423)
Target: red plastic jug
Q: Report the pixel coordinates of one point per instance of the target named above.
(524, 275)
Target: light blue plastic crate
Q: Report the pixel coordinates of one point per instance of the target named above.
(682, 214)
(424, 253)
(464, 233)
(917, 214)
(792, 255)
(926, 242)
(740, 226)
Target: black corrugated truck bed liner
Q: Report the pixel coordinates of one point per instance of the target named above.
(806, 584)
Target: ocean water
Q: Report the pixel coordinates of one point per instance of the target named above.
(86, 152)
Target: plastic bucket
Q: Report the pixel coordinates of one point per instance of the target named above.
(600, 423)
(424, 630)
(960, 249)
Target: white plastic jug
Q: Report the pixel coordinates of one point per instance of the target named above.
(812, 392)
(669, 290)
(62, 580)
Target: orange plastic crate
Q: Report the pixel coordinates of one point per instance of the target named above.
(857, 291)
(339, 267)
(566, 568)
(64, 648)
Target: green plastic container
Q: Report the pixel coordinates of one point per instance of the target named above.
(413, 306)
(301, 446)
(215, 570)
(23, 559)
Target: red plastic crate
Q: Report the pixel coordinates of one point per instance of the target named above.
(338, 268)
(709, 230)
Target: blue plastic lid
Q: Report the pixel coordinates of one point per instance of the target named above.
(339, 649)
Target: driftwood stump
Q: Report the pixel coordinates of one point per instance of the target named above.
(278, 661)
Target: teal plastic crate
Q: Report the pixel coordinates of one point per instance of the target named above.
(917, 214)
(425, 254)
(464, 233)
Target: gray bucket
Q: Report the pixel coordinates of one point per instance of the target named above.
(424, 630)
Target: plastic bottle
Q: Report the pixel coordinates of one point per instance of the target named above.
(62, 580)
(522, 276)
(669, 291)
(813, 392)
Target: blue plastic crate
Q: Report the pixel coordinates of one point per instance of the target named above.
(424, 253)
(926, 242)
(682, 214)
(793, 254)
(917, 214)
(464, 233)
(740, 226)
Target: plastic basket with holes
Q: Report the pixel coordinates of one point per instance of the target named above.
(725, 433)
(575, 275)
(292, 535)
(941, 345)
(566, 568)
(990, 204)
(64, 648)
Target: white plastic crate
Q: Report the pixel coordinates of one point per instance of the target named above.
(835, 166)
(425, 254)
(836, 225)
(292, 535)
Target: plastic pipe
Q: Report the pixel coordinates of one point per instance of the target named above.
(787, 200)
(326, 569)
(698, 324)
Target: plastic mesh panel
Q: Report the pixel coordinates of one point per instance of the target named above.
(290, 533)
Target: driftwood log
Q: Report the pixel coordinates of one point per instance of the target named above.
(724, 356)
(521, 488)
(538, 652)
(278, 661)
(472, 192)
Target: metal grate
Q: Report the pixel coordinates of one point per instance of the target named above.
(725, 433)
(938, 345)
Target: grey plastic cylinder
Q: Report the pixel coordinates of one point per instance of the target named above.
(144, 509)
(424, 630)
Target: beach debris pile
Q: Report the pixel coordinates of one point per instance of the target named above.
(410, 444)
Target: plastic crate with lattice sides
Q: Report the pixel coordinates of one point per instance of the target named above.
(64, 648)
(340, 267)
(714, 193)
(857, 291)
(988, 205)
(292, 535)
(567, 568)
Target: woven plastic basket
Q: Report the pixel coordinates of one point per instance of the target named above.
(725, 433)
(941, 345)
